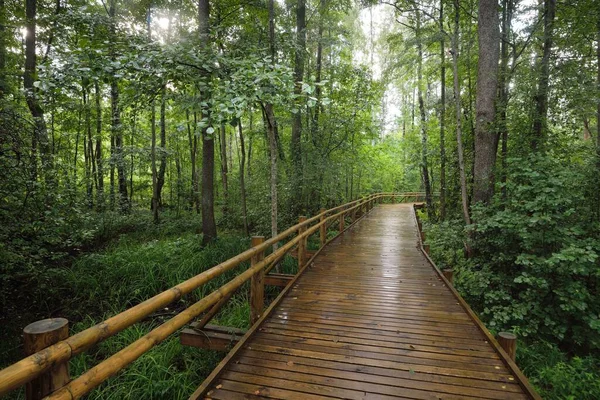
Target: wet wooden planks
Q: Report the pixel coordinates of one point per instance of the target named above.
(369, 319)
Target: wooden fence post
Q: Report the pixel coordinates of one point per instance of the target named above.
(449, 275)
(342, 221)
(257, 283)
(323, 228)
(426, 248)
(37, 336)
(301, 244)
(508, 341)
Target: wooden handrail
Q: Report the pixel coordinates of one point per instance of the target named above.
(36, 364)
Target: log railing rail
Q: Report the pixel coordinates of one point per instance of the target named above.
(59, 353)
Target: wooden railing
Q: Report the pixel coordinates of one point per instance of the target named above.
(45, 370)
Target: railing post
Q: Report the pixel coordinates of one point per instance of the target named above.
(323, 228)
(342, 221)
(426, 248)
(301, 244)
(449, 275)
(257, 283)
(37, 336)
(508, 341)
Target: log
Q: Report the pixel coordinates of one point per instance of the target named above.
(36, 337)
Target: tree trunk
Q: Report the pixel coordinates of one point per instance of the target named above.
(598, 112)
(296, 141)
(193, 141)
(224, 169)
(540, 119)
(99, 160)
(503, 87)
(3, 83)
(486, 140)
(209, 227)
(40, 131)
(160, 181)
(116, 128)
(155, 202)
(272, 132)
(88, 146)
(242, 180)
(442, 116)
(424, 164)
(459, 141)
(131, 157)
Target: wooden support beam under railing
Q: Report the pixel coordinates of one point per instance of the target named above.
(280, 280)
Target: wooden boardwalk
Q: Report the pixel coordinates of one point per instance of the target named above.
(369, 319)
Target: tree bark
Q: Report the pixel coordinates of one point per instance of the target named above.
(193, 142)
(272, 132)
(598, 112)
(224, 169)
(163, 145)
(296, 141)
(3, 82)
(40, 131)
(117, 131)
(459, 141)
(209, 227)
(486, 140)
(88, 146)
(540, 119)
(242, 178)
(442, 116)
(424, 150)
(99, 160)
(503, 87)
(155, 202)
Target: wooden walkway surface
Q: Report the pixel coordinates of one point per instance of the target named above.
(369, 319)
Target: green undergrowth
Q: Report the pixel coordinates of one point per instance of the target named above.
(558, 369)
(136, 262)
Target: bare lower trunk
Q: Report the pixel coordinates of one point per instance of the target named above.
(224, 168)
(193, 142)
(271, 129)
(160, 181)
(442, 117)
(459, 141)
(503, 86)
(242, 179)
(209, 226)
(3, 83)
(154, 204)
(486, 139)
(540, 119)
(40, 131)
(424, 163)
(296, 141)
(99, 160)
